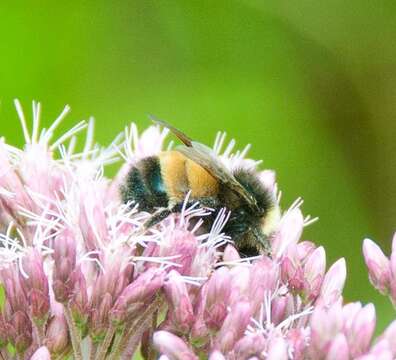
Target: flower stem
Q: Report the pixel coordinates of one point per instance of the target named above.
(74, 334)
(104, 346)
(39, 329)
(135, 333)
(127, 342)
(93, 348)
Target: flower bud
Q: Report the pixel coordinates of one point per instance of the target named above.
(292, 272)
(240, 280)
(314, 270)
(338, 349)
(233, 327)
(219, 289)
(172, 346)
(333, 282)
(138, 292)
(183, 244)
(179, 300)
(277, 349)
(230, 254)
(41, 353)
(325, 324)
(390, 335)
(57, 335)
(36, 286)
(290, 230)
(263, 279)
(78, 302)
(249, 345)
(361, 331)
(297, 340)
(20, 332)
(99, 322)
(64, 266)
(40, 305)
(378, 266)
(199, 331)
(216, 355)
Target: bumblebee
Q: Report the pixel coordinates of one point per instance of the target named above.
(159, 184)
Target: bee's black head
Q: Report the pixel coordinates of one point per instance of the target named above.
(245, 223)
(250, 181)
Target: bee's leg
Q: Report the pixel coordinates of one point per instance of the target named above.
(210, 202)
(157, 217)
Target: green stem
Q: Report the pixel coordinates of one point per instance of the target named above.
(104, 346)
(127, 341)
(74, 334)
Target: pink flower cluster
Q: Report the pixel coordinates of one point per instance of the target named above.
(80, 279)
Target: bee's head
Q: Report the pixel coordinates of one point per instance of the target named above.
(251, 228)
(245, 229)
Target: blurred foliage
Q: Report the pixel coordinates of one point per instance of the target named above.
(309, 84)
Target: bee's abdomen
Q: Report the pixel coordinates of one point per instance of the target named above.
(145, 186)
(181, 175)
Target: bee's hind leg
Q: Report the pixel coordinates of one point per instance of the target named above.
(163, 213)
(157, 217)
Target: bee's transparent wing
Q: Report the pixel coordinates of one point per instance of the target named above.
(203, 155)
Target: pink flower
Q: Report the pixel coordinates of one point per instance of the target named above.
(172, 346)
(378, 265)
(78, 270)
(41, 354)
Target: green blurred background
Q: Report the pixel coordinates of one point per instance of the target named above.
(310, 84)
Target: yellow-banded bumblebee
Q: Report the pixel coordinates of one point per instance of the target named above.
(159, 184)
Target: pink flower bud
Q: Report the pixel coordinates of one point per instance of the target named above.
(379, 351)
(239, 284)
(64, 266)
(333, 282)
(183, 244)
(179, 300)
(325, 324)
(230, 254)
(39, 304)
(57, 335)
(233, 327)
(36, 286)
(361, 331)
(290, 230)
(278, 309)
(216, 355)
(390, 336)
(199, 331)
(172, 346)
(249, 345)
(378, 266)
(264, 276)
(99, 322)
(139, 291)
(219, 290)
(304, 250)
(314, 270)
(292, 274)
(277, 349)
(41, 354)
(338, 349)
(297, 340)
(20, 332)
(78, 302)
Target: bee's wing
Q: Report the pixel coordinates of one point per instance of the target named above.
(182, 136)
(204, 156)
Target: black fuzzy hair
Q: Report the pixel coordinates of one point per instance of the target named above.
(250, 181)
